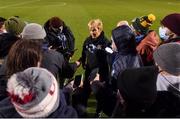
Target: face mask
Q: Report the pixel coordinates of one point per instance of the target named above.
(163, 33)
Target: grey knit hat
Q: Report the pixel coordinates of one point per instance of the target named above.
(34, 92)
(33, 31)
(167, 56)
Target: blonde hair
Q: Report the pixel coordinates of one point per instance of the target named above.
(96, 22)
(120, 23)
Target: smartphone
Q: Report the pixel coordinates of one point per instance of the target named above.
(77, 80)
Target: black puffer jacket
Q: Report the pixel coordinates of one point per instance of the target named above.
(54, 41)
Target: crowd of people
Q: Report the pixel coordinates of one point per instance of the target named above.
(135, 73)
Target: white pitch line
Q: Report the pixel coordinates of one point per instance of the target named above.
(17, 4)
(171, 3)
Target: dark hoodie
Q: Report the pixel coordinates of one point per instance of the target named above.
(7, 109)
(126, 56)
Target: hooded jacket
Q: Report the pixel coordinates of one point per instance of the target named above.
(126, 56)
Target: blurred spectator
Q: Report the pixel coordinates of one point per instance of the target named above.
(167, 57)
(151, 91)
(136, 93)
(6, 41)
(23, 54)
(60, 37)
(120, 23)
(52, 60)
(147, 40)
(2, 27)
(34, 93)
(124, 40)
(126, 56)
(14, 25)
(170, 29)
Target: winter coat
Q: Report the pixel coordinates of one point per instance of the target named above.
(147, 46)
(6, 41)
(57, 65)
(7, 109)
(88, 58)
(54, 41)
(126, 56)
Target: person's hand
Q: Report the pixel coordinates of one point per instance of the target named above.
(78, 63)
(96, 78)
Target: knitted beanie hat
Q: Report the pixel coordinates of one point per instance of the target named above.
(34, 92)
(139, 88)
(172, 22)
(167, 56)
(142, 24)
(33, 31)
(14, 25)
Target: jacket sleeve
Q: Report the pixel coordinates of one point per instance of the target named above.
(68, 69)
(71, 39)
(83, 55)
(103, 65)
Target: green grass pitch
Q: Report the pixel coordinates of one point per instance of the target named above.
(77, 13)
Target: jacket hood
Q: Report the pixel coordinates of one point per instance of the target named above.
(124, 39)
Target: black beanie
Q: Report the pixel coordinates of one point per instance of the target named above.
(167, 56)
(138, 85)
(172, 22)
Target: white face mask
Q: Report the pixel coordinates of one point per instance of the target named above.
(163, 33)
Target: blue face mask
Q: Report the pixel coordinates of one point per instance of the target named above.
(163, 33)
